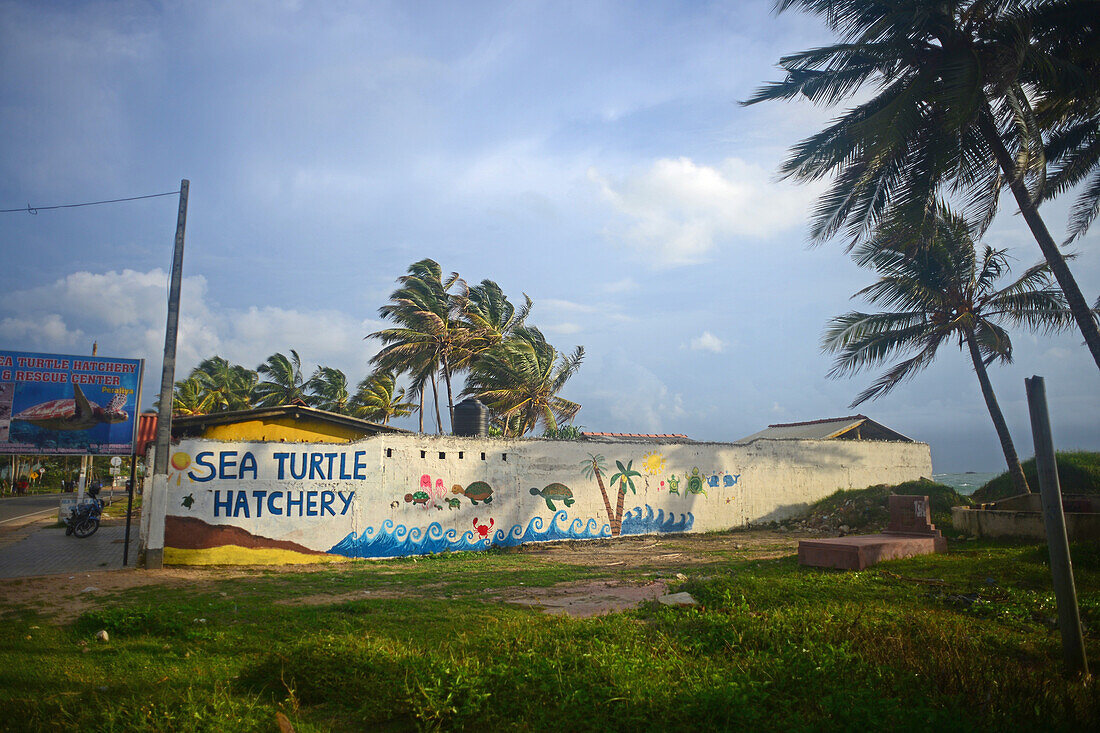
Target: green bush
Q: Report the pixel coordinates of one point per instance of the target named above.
(1078, 473)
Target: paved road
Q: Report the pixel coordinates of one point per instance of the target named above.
(48, 551)
(15, 510)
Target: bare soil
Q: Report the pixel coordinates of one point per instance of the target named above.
(658, 560)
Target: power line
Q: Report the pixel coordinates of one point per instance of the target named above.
(33, 210)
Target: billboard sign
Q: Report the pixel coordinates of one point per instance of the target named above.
(62, 404)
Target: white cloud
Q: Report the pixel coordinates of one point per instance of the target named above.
(677, 212)
(125, 312)
(564, 329)
(708, 342)
(625, 285)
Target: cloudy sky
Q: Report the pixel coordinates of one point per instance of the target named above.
(592, 155)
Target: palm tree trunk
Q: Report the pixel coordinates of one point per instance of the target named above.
(450, 399)
(421, 410)
(606, 501)
(1077, 303)
(438, 415)
(617, 523)
(1014, 469)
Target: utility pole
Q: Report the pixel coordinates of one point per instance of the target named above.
(168, 373)
(1061, 568)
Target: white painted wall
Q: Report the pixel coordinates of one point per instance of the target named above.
(742, 484)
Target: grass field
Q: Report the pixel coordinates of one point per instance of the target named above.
(962, 641)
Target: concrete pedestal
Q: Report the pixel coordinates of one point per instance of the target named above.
(862, 551)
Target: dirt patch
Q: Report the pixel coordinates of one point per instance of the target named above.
(65, 597)
(583, 600)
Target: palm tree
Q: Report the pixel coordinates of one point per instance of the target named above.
(428, 330)
(377, 400)
(520, 378)
(594, 466)
(329, 387)
(937, 290)
(284, 384)
(625, 477)
(952, 112)
(490, 317)
(187, 397)
(223, 386)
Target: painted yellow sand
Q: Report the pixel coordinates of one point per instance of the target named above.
(237, 555)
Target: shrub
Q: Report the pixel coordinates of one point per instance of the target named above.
(1078, 473)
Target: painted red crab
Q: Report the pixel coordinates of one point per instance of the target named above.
(483, 529)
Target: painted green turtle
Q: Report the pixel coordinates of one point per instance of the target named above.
(555, 492)
(695, 483)
(420, 497)
(454, 503)
(475, 492)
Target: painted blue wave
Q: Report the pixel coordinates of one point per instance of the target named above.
(635, 523)
(399, 541)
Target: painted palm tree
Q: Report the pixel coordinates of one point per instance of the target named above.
(283, 383)
(329, 390)
(594, 466)
(950, 113)
(428, 329)
(378, 399)
(224, 386)
(625, 478)
(939, 290)
(519, 381)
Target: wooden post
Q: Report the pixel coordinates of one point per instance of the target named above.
(1061, 567)
(168, 371)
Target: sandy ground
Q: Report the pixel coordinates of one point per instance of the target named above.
(666, 558)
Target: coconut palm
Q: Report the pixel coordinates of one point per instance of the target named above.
(187, 398)
(428, 330)
(329, 390)
(284, 383)
(490, 317)
(951, 113)
(223, 386)
(378, 400)
(520, 378)
(938, 290)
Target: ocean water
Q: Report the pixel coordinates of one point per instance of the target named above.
(965, 483)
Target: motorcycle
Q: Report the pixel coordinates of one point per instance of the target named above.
(83, 520)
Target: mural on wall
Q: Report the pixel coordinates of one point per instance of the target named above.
(478, 491)
(594, 466)
(555, 492)
(264, 502)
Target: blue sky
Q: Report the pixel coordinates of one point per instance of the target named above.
(592, 155)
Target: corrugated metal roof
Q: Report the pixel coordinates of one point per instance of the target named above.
(828, 429)
(634, 437)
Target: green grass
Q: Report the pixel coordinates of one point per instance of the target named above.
(962, 641)
(1078, 473)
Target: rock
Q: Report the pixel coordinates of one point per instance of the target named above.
(845, 528)
(90, 589)
(102, 635)
(680, 576)
(284, 723)
(677, 599)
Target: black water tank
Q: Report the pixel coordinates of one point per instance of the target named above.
(471, 418)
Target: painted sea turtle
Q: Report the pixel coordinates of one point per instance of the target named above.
(420, 497)
(674, 484)
(453, 503)
(75, 414)
(695, 483)
(475, 492)
(555, 492)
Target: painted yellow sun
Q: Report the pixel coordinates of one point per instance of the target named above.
(181, 461)
(654, 463)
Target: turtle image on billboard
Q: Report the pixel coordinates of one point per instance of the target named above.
(52, 403)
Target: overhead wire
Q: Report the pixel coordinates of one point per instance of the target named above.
(33, 210)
